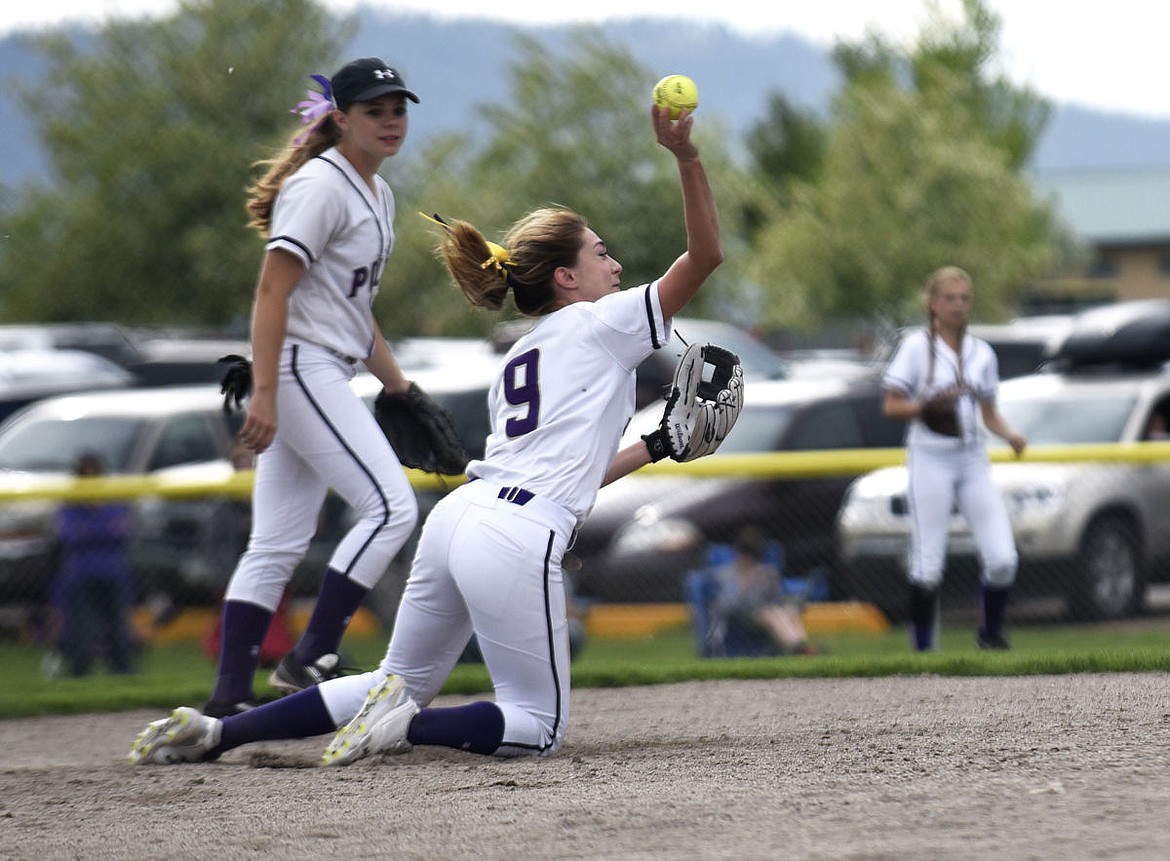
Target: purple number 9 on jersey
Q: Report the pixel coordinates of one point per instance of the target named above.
(522, 389)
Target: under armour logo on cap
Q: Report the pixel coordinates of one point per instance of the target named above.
(366, 79)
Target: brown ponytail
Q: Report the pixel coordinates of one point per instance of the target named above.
(535, 247)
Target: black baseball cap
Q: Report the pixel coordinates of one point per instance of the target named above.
(366, 79)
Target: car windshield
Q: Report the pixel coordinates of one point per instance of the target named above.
(53, 445)
(1069, 420)
(758, 361)
(757, 430)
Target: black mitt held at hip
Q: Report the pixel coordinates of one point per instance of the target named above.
(421, 432)
(941, 415)
(236, 383)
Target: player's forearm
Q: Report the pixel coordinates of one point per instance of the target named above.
(632, 457)
(898, 406)
(382, 364)
(701, 216)
(998, 425)
(704, 250)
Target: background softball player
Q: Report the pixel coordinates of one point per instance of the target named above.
(489, 559)
(945, 370)
(329, 219)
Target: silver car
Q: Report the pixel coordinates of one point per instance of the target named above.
(179, 432)
(1091, 533)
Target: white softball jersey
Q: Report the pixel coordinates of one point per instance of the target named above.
(343, 232)
(566, 394)
(907, 372)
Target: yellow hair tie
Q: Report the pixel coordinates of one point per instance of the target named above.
(499, 259)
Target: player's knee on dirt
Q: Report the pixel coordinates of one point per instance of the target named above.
(528, 734)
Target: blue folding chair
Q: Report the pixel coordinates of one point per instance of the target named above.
(700, 589)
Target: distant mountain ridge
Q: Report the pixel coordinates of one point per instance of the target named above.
(459, 65)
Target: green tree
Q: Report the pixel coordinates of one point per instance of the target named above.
(572, 130)
(922, 168)
(788, 144)
(786, 148)
(151, 129)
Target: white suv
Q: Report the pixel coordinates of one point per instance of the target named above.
(1091, 533)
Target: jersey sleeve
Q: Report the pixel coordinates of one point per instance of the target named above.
(304, 217)
(629, 324)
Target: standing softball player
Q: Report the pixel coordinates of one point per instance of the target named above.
(328, 218)
(943, 379)
(489, 559)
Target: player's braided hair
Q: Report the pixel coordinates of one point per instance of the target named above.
(301, 147)
(536, 246)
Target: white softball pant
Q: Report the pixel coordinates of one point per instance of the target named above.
(326, 438)
(492, 566)
(940, 480)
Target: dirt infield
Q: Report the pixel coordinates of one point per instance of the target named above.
(1060, 767)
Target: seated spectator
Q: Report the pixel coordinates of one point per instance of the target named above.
(738, 606)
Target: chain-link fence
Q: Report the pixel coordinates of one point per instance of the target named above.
(1089, 521)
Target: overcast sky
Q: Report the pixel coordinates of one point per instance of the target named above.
(1110, 56)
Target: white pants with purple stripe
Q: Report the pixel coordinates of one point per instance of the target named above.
(492, 566)
(941, 481)
(326, 438)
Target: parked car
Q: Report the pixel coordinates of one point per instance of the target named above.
(1024, 344)
(28, 375)
(165, 432)
(108, 340)
(832, 363)
(1090, 533)
(646, 532)
(184, 361)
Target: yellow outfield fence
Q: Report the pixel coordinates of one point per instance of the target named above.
(777, 465)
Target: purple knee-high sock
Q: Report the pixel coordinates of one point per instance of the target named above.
(299, 715)
(923, 617)
(477, 728)
(243, 627)
(994, 608)
(337, 601)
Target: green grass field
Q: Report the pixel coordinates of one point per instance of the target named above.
(180, 674)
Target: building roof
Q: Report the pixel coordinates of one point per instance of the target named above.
(1112, 207)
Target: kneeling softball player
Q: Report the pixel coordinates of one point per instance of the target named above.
(489, 559)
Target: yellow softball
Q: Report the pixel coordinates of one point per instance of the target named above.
(676, 92)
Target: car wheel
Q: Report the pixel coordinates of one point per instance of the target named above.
(1110, 582)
